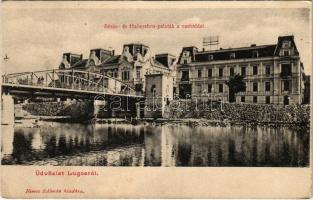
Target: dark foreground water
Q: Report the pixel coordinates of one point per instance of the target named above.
(128, 145)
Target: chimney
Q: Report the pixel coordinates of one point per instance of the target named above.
(113, 52)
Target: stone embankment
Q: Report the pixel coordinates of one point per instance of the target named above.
(240, 113)
(78, 111)
(189, 112)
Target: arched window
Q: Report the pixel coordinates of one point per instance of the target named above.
(92, 63)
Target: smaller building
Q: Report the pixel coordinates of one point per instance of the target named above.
(159, 92)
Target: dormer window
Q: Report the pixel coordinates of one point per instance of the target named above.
(232, 55)
(286, 44)
(186, 53)
(255, 54)
(210, 57)
(286, 53)
(92, 63)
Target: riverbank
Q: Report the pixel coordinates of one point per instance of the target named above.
(193, 114)
(243, 114)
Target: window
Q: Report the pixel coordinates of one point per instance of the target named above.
(267, 86)
(115, 74)
(243, 71)
(255, 99)
(92, 63)
(268, 70)
(243, 99)
(138, 74)
(153, 90)
(286, 100)
(210, 57)
(220, 87)
(125, 75)
(286, 44)
(199, 73)
(185, 76)
(231, 71)
(138, 87)
(255, 87)
(209, 88)
(267, 99)
(198, 88)
(286, 69)
(245, 88)
(286, 85)
(185, 62)
(255, 54)
(174, 92)
(232, 55)
(210, 73)
(255, 70)
(220, 72)
(286, 52)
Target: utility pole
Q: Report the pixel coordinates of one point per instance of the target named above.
(212, 41)
(6, 59)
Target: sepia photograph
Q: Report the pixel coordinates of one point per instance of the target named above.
(164, 86)
(78, 89)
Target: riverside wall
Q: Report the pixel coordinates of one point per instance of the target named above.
(259, 113)
(78, 110)
(181, 110)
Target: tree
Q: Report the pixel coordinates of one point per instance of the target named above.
(235, 85)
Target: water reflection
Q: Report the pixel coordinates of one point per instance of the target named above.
(128, 145)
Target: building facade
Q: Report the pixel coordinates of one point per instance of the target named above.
(273, 74)
(130, 66)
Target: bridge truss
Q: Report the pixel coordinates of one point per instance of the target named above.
(67, 79)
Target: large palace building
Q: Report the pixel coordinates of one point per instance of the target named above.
(273, 74)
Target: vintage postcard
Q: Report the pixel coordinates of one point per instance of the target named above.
(156, 99)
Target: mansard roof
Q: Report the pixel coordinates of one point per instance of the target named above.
(112, 60)
(286, 38)
(240, 53)
(252, 51)
(158, 64)
(80, 64)
(115, 60)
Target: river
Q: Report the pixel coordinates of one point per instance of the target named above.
(64, 144)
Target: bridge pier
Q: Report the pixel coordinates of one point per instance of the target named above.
(98, 106)
(7, 136)
(7, 109)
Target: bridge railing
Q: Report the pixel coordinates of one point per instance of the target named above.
(70, 79)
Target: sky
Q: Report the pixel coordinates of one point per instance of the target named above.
(34, 38)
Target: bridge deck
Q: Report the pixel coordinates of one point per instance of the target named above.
(59, 92)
